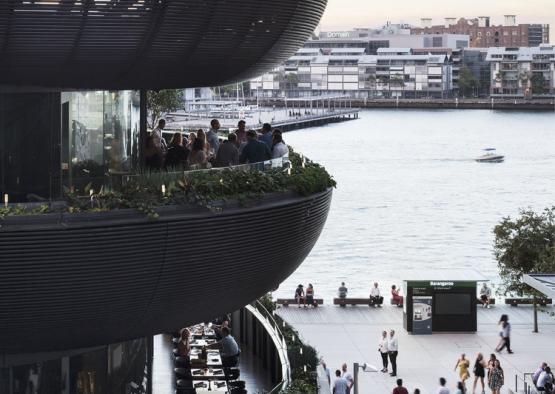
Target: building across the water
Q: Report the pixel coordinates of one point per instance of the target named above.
(522, 72)
(484, 34)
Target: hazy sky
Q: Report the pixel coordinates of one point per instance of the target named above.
(345, 14)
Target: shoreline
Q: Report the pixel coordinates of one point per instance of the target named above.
(497, 104)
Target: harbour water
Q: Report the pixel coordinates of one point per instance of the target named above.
(411, 197)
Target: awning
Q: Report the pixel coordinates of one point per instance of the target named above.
(544, 283)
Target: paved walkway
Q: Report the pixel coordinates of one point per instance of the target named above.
(351, 334)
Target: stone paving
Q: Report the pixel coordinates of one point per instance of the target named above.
(351, 335)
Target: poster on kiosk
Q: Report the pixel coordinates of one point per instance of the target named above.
(422, 315)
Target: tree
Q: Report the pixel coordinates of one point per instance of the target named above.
(538, 81)
(525, 245)
(162, 101)
(468, 83)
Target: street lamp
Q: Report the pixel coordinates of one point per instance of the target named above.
(365, 368)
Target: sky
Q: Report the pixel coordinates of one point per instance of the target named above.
(347, 14)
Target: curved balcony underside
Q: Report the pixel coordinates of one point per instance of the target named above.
(151, 44)
(81, 280)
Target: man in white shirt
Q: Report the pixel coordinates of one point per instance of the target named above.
(376, 298)
(393, 348)
(442, 389)
(348, 377)
(485, 295)
(158, 138)
(340, 385)
(212, 135)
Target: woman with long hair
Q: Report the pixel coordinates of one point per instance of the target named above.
(496, 378)
(505, 334)
(176, 158)
(463, 364)
(207, 148)
(479, 372)
(191, 140)
(197, 157)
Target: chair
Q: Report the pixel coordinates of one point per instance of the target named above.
(237, 384)
(232, 373)
(237, 391)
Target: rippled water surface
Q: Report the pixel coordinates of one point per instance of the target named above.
(411, 196)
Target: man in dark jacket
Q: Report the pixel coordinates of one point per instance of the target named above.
(255, 151)
(228, 154)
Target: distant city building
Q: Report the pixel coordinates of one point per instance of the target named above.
(522, 72)
(483, 34)
(393, 72)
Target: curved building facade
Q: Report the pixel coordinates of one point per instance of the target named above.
(148, 44)
(80, 280)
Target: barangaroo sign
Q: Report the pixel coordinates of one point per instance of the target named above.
(441, 284)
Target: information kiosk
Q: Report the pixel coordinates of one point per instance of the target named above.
(441, 301)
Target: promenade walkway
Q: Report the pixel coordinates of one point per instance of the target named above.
(351, 334)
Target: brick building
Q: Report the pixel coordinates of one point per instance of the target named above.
(482, 34)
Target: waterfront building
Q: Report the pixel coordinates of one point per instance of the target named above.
(522, 72)
(83, 293)
(484, 34)
(392, 73)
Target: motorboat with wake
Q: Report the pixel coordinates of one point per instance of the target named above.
(490, 157)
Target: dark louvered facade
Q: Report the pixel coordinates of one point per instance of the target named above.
(154, 44)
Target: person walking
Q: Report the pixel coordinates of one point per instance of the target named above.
(400, 389)
(393, 349)
(505, 334)
(348, 377)
(463, 364)
(442, 389)
(479, 373)
(340, 385)
(496, 378)
(384, 350)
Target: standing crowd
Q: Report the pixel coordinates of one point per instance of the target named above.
(202, 149)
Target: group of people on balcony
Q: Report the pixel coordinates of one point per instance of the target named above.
(202, 149)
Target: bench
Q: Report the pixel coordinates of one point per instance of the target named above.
(395, 302)
(491, 301)
(528, 301)
(292, 301)
(355, 301)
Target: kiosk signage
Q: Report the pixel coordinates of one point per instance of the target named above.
(422, 315)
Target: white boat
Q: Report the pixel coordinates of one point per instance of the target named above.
(490, 157)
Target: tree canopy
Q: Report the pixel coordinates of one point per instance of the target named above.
(160, 102)
(468, 83)
(525, 245)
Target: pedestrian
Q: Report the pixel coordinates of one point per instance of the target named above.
(442, 389)
(340, 385)
(479, 372)
(384, 350)
(505, 334)
(393, 348)
(463, 364)
(460, 388)
(545, 381)
(348, 377)
(326, 371)
(158, 137)
(212, 136)
(400, 389)
(491, 364)
(416, 391)
(496, 378)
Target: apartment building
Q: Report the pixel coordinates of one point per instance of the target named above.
(522, 72)
(484, 34)
(391, 73)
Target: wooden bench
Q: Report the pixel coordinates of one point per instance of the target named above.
(292, 301)
(491, 301)
(354, 301)
(394, 302)
(528, 301)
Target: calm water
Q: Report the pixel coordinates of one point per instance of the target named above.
(410, 195)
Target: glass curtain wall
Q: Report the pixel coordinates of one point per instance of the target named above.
(100, 136)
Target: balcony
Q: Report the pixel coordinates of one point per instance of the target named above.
(143, 259)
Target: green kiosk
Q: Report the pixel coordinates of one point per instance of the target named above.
(443, 300)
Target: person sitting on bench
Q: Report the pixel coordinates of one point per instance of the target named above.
(342, 291)
(397, 299)
(309, 296)
(299, 295)
(375, 297)
(485, 295)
